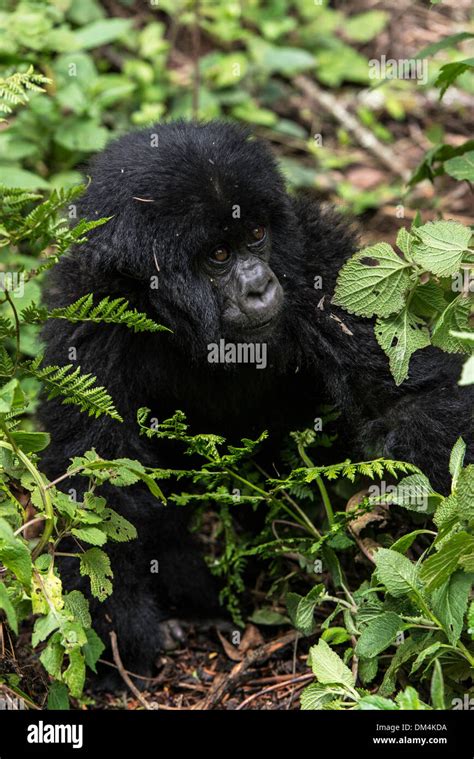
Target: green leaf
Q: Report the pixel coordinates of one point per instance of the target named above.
(363, 27)
(75, 675)
(397, 573)
(399, 336)
(374, 281)
(101, 32)
(11, 397)
(328, 667)
(449, 41)
(96, 565)
(31, 442)
(58, 699)
(284, 60)
(456, 460)
(14, 554)
(52, 656)
(83, 135)
(92, 649)
(317, 696)
(454, 318)
(301, 609)
(437, 569)
(90, 535)
(450, 604)
(377, 703)
(409, 700)
(77, 604)
(450, 72)
(117, 527)
(465, 493)
(380, 633)
(44, 626)
(461, 167)
(437, 687)
(12, 176)
(440, 246)
(8, 608)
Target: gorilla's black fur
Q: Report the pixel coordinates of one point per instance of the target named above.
(172, 192)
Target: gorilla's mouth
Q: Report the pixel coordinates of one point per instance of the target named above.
(260, 325)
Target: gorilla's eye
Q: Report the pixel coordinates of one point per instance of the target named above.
(259, 233)
(220, 255)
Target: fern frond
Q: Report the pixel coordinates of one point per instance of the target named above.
(7, 366)
(106, 311)
(76, 388)
(14, 198)
(33, 314)
(14, 89)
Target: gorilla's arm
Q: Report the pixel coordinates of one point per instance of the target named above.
(418, 421)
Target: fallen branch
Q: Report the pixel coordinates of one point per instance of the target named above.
(239, 672)
(283, 684)
(363, 136)
(123, 672)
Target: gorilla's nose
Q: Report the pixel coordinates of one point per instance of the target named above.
(261, 294)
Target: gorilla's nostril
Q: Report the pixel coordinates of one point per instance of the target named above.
(259, 291)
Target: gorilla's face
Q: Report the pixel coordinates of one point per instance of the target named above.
(239, 268)
(207, 207)
(221, 230)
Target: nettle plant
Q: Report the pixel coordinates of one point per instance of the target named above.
(420, 295)
(421, 607)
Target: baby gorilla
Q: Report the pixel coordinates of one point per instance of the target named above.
(204, 238)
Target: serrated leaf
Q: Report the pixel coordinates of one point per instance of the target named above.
(450, 72)
(96, 565)
(461, 166)
(304, 617)
(437, 569)
(117, 527)
(77, 604)
(397, 573)
(374, 281)
(450, 604)
(317, 696)
(440, 246)
(328, 667)
(380, 633)
(465, 493)
(377, 703)
(399, 336)
(90, 535)
(454, 318)
(74, 676)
